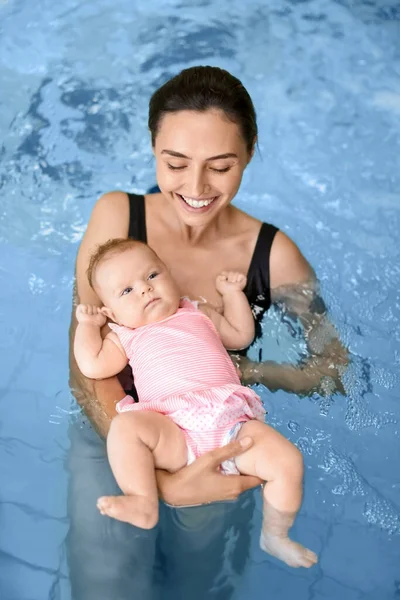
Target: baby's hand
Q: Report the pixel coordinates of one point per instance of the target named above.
(86, 313)
(230, 281)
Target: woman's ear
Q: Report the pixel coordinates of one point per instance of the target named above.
(107, 312)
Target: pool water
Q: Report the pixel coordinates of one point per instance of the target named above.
(76, 78)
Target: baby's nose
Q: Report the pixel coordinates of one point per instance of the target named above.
(146, 287)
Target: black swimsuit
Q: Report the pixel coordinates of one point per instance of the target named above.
(258, 287)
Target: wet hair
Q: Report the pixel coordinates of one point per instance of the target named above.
(110, 248)
(201, 89)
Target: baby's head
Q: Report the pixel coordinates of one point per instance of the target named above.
(134, 285)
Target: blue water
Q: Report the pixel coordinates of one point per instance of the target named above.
(75, 81)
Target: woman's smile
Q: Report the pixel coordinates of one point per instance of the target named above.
(198, 205)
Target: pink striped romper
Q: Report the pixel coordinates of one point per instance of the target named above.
(182, 370)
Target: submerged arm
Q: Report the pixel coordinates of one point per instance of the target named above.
(295, 289)
(327, 358)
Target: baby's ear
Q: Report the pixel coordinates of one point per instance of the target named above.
(107, 312)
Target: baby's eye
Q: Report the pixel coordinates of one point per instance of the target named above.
(126, 291)
(153, 275)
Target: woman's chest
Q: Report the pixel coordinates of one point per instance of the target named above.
(196, 269)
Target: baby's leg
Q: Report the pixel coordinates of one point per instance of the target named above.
(137, 443)
(277, 461)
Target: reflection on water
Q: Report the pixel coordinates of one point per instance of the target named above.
(324, 79)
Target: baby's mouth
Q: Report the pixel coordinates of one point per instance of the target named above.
(150, 302)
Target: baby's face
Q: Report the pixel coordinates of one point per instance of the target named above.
(136, 287)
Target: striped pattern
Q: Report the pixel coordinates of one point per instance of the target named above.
(182, 370)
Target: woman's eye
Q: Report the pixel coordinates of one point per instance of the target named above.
(126, 291)
(175, 168)
(225, 170)
(153, 275)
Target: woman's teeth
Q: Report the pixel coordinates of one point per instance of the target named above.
(197, 203)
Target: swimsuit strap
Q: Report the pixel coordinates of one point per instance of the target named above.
(137, 218)
(257, 290)
(258, 277)
(137, 231)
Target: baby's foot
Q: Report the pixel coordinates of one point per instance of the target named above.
(292, 553)
(136, 510)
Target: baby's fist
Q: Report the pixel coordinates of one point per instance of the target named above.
(230, 281)
(87, 313)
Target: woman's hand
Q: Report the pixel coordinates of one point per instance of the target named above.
(202, 483)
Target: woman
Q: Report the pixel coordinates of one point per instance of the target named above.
(204, 132)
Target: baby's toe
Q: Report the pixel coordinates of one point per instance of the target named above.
(310, 558)
(104, 505)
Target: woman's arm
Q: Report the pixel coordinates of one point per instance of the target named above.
(295, 288)
(109, 219)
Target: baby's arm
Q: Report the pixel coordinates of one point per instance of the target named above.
(236, 324)
(96, 358)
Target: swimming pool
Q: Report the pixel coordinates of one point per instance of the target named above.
(324, 76)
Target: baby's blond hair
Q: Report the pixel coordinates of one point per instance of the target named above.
(110, 248)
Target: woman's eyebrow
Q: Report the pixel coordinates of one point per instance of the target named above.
(180, 155)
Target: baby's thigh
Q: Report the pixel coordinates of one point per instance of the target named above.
(131, 431)
(271, 455)
(170, 451)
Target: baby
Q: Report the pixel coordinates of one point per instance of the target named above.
(191, 399)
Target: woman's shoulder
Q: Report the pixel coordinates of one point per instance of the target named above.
(287, 263)
(113, 198)
(284, 260)
(109, 219)
(112, 211)
(118, 202)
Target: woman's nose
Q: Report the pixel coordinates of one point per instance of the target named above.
(197, 184)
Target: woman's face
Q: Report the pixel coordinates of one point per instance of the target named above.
(200, 158)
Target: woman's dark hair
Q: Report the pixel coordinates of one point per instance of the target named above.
(202, 89)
